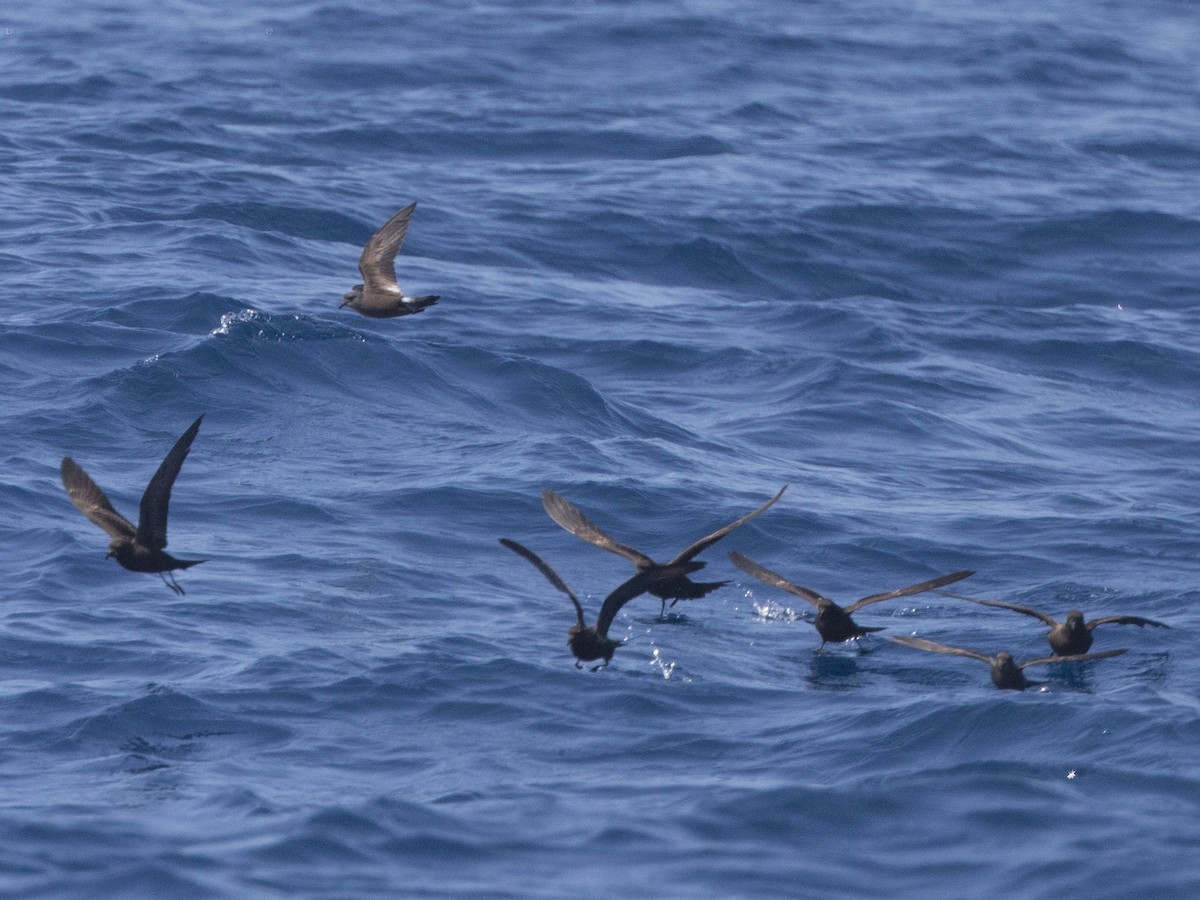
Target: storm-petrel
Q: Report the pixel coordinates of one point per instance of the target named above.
(668, 581)
(588, 643)
(381, 297)
(832, 621)
(137, 549)
(1007, 673)
(1066, 638)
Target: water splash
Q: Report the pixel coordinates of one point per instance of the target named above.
(668, 670)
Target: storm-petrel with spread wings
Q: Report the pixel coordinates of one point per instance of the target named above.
(668, 581)
(588, 642)
(138, 549)
(1066, 638)
(1007, 673)
(380, 297)
(832, 621)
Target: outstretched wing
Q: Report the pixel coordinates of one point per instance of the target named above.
(934, 647)
(152, 514)
(569, 517)
(911, 589)
(1026, 610)
(1125, 620)
(92, 502)
(706, 542)
(766, 576)
(550, 574)
(1104, 654)
(378, 261)
(626, 591)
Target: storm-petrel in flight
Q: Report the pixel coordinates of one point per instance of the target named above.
(1066, 638)
(380, 297)
(832, 621)
(1007, 673)
(138, 549)
(668, 581)
(588, 642)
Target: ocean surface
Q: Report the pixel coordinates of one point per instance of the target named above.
(934, 266)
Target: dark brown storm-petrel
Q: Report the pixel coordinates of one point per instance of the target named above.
(668, 581)
(1066, 638)
(588, 642)
(380, 297)
(832, 621)
(138, 549)
(1007, 673)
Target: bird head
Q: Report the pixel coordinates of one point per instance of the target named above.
(118, 549)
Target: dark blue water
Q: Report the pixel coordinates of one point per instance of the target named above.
(934, 265)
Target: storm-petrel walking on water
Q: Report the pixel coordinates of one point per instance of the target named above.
(380, 297)
(138, 549)
(668, 581)
(833, 622)
(1066, 638)
(588, 643)
(1007, 673)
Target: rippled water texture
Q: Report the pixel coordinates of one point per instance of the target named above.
(933, 265)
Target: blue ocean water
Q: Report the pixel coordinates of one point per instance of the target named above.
(933, 265)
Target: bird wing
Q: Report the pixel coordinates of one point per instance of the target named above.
(91, 501)
(624, 592)
(152, 514)
(911, 589)
(934, 647)
(378, 261)
(569, 517)
(706, 542)
(550, 574)
(1125, 620)
(1026, 610)
(1104, 654)
(766, 576)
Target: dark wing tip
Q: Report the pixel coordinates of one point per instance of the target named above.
(934, 647)
(708, 540)
(1074, 657)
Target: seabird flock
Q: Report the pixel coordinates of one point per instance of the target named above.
(143, 548)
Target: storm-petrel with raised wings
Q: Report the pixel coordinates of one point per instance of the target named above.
(832, 621)
(380, 297)
(668, 581)
(588, 642)
(138, 549)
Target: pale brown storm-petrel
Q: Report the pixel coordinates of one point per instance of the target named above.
(588, 643)
(1066, 638)
(138, 549)
(1007, 673)
(669, 581)
(832, 621)
(380, 297)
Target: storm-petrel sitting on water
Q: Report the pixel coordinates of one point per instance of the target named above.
(833, 622)
(380, 297)
(1006, 672)
(137, 549)
(1066, 638)
(668, 581)
(588, 643)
